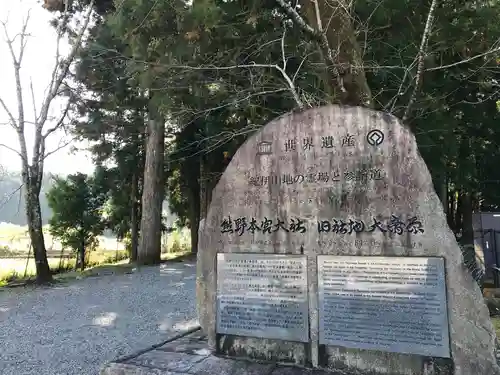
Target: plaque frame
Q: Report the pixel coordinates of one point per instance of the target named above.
(302, 337)
(443, 352)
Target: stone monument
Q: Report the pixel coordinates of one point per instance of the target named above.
(325, 245)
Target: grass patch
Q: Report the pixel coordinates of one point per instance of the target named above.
(14, 264)
(99, 263)
(15, 268)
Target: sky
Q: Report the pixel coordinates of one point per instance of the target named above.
(37, 66)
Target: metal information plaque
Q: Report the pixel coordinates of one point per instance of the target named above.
(391, 304)
(262, 295)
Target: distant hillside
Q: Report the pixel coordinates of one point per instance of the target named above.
(12, 199)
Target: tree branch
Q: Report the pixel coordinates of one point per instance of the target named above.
(6, 200)
(33, 100)
(11, 149)
(19, 90)
(9, 113)
(421, 59)
(494, 50)
(286, 77)
(57, 79)
(59, 147)
(58, 75)
(59, 122)
(317, 35)
(298, 20)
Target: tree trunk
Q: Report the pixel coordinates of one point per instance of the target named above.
(458, 212)
(444, 193)
(203, 187)
(134, 220)
(467, 230)
(341, 52)
(34, 216)
(149, 250)
(450, 212)
(82, 256)
(444, 196)
(194, 217)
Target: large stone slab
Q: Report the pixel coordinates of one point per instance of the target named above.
(339, 181)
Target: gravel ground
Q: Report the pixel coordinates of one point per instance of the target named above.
(75, 328)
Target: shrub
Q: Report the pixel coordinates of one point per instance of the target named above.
(176, 247)
(5, 251)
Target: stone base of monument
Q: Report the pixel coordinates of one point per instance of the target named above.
(188, 354)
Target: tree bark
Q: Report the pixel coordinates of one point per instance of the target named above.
(149, 250)
(340, 51)
(134, 220)
(203, 187)
(444, 194)
(458, 212)
(467, 229)
(194, 219)
(450, 209)
(194, 226)
(35, 229)
(82, 256)
(441, 186)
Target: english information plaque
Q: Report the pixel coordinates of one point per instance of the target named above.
(392, 304)
(262, 295)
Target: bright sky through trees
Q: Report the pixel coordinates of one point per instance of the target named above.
(37, 66)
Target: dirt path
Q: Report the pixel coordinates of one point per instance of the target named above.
(74, 329)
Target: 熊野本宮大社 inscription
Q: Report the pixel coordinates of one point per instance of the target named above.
(395, 225)
(262, 295)
(384, 303)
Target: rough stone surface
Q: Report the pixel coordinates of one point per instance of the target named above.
(404, 187)
(189, 355)
(75, 328)
(127, 369)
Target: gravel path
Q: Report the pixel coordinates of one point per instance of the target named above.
(74, 329)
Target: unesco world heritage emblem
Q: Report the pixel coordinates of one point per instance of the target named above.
(375, 137)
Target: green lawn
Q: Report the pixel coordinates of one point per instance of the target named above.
(12, 270)
(15, 240)
(18, 267)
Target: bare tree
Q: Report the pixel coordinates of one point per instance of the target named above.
(32, 170)
(330, 26)
(422, 53)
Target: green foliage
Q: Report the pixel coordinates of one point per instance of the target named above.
(455, 119)
(115, 123)
(177, 242)
(5, 251)
(108, 259)
(76, 202)
(192, 62)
